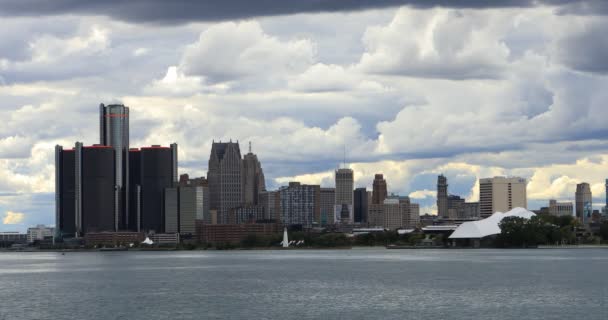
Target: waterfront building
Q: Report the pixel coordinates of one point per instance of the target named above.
(183, 205)
(113, 239)
(299, 204)
(85, 190)
(114, 132)
(379, 191)
(270, 201)
(327, 206)
(343, 212)
(221, 234)
(394, 213)
(560, 208)
(253, 179)
(501, 194)
(225, 178)
(158, 171)
(360, 205)
(202, 198)
(8, 238)
(443, 206)
(40, 232)
(246, 214)
(584, 202)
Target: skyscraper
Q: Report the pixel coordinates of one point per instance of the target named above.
(253, 179)
(442, 196)
(114, 132)
(299, 204)
(360, 205)
(327, 206)
(501, 194)
(157, 172)
(584, 202)
(344, 196)
(85, 190)
(225, 178)
(380, 191)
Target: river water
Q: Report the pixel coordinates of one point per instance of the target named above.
(307, 284)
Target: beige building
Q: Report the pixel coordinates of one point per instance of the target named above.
(584, 202)
(560, 208)
(394, 214)
(345, 184)
(501, 194)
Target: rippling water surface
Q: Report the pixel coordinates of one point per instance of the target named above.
(328, 284)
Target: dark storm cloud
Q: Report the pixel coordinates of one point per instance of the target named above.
(587, 50)
(180, 11)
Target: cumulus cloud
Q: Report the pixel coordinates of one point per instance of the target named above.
(423, 194)
(11, 217)
(585, 47)
(437, 44)
(231, 51)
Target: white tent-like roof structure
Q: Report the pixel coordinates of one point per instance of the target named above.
(488, 226)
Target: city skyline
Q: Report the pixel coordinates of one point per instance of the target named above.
(472, 92)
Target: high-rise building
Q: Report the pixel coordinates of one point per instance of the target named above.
(394, 213)
(182, 206)
(85, 190)
(379, 191)
(584, 202)
(560, 208)
(253, 179)
(343, 212)
(114, 132)
(501, 194)
(361, 205)
(442, 197)
(157, 172)
(327, 206)
(270, 200)
(299, 204)
(225, 178)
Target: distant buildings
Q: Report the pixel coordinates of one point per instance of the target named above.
(360, 205)
(327, 206)
(379, 189)
(225, 178)
(343, 212)
(584, 202)
(38, 233)
(299, 204)
(560, 208)
(253, 179)
(394, 214)
(501, 194)
(442, 197)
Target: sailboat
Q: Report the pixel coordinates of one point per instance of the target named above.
(285, 241)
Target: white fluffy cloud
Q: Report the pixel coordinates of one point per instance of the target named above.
(11, 217)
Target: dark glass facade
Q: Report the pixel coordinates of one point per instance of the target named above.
(134, 189)
(360, 205)
(98, 189)
(156, 175)
(66, 197)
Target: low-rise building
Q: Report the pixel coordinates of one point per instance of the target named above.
(233, 233)
(38, 233)
(560, 208)
(113, 239)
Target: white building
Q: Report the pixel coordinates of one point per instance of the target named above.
(39, 233)
(488, 226)
(501, 194)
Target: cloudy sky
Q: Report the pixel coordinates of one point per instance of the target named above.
(411, 88)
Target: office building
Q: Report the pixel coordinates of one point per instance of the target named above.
(360, 205)
(394, 213)
(270, 201)
(114, 132)
(158, 171)
(222, 234)
(182, 206)
(9, 238)
(343, 212)
(584, 202)
(186, 181)
(327, 206)
(379, 189)
(246, 214)
(253, 179)
(501, 194)
(442, 197)
(299, 204)
(560, 208)
(85, 190)
(225, 178)
(40, 232)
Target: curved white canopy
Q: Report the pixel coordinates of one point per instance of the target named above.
(488, 226)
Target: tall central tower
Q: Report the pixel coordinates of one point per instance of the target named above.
(442, 196)
(114, 132)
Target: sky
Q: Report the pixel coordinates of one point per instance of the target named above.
(412, 89)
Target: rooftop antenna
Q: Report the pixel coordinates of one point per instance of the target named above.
(345, 156)
(249, 146)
